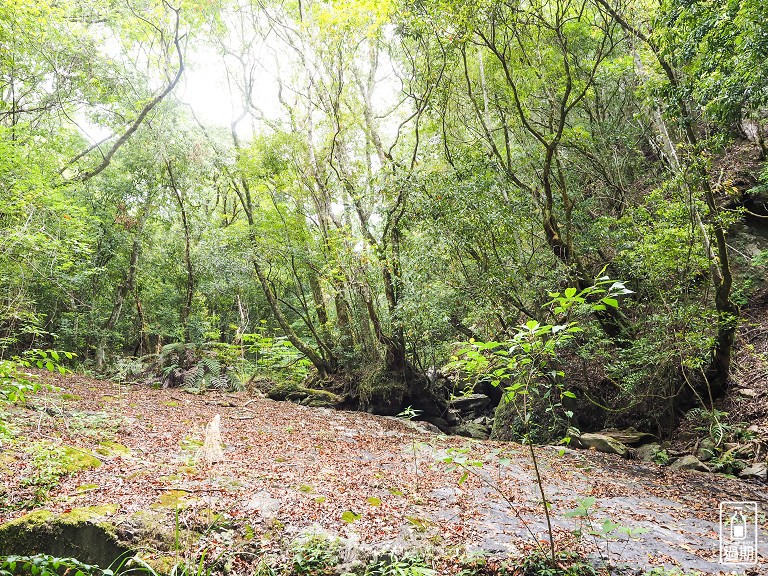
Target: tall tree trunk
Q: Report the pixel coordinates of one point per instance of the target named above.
(720, 267)
(142, 343)
(324, 367)
(123, 289)
(190, 290)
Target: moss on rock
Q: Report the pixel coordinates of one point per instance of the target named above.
(82, 533)
(74, 459)
(294, 392)
(109, 448)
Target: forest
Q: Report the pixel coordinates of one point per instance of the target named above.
(529, 221)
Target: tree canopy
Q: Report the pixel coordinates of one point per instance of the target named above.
(396, 177)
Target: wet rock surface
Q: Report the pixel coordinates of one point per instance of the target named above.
(295, 467)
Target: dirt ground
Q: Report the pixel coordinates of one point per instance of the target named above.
(378, 482)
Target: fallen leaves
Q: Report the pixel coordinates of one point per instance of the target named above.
(283, 464)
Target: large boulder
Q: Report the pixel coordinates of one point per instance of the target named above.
(602, 443)
(82, 533)
(472, 430)
(757, 471)
(629, 436)
(689, 462)
(470, 403)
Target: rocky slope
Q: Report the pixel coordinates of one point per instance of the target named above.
(380, 483)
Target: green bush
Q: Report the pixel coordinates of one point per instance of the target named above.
(314, 555)
(45, 565)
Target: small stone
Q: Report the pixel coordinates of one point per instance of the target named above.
(689, 462)
(263, 502)
(757, 471)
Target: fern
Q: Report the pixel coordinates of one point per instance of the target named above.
(169, 349)
(168, 369)
(711, 423)
(206, 374)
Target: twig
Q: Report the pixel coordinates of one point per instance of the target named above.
(190, 490)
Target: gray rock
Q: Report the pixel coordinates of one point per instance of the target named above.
(603, 443)
(484, 420)
(424, 425)
(574, 434)
(263, 503)
(647, 452)
(689, 462)
(757, 471)
(437, 422)
(471, 403)
(452, 417)
(629, 436)
(472, 430)
(707, 450)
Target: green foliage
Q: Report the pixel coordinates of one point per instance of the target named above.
(50, 464)
(363, 226)
(406, 566)
(713, 425)
(46, 565)
(16, 383)
(276, 355)
(314, 555)
(722, 50)
(566, 564)
(527, 365)
(661, 571)
(662, 458)
(602, 531)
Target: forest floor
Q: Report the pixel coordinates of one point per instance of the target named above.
(378, 482)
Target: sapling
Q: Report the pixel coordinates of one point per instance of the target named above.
(529, 360)
(409, 414)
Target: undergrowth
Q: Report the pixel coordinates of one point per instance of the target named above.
(319, 556)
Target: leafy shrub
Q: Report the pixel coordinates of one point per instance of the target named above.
(661, 571)
(276, 355)
(16, 383)
(314, 555)
(406, 566)
(45, 565)
(567, 564)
